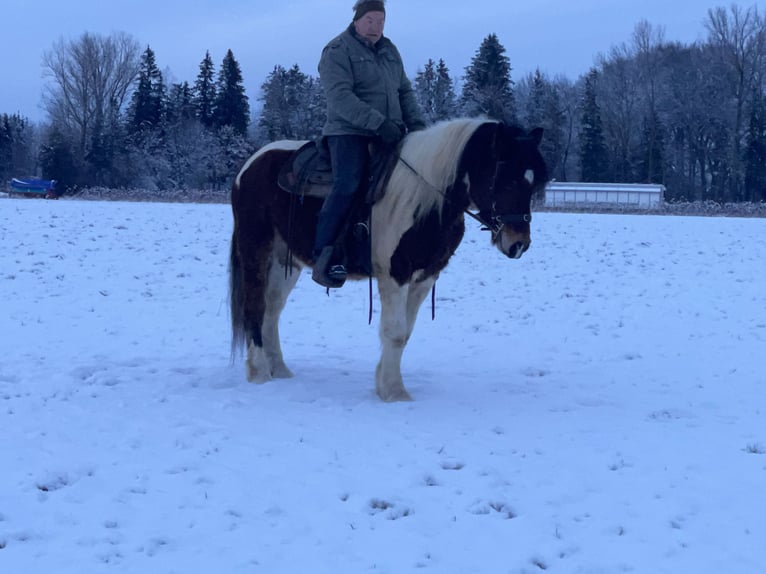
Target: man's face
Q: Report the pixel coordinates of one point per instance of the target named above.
(370, 25)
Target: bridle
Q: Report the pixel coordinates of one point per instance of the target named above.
(493, 222)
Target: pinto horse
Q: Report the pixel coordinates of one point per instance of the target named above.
(487, 169)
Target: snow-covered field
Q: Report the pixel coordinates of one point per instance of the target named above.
(598, 406)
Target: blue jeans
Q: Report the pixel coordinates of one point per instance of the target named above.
(349, 157)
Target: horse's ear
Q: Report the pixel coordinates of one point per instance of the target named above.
(537, 135)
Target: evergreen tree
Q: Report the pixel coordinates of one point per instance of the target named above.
(180, 105)
(102, 159)
(755, 151)
(231, 106)
(57, 160)
(293, 105)
(544, 109)
(488, 89)
(445, 100)
(425, 90)
(6, 149)
(147, 104)
(536, 101)
(16, 157)
(435, 92)
(315, 106)
(594, 165)
(204, 92)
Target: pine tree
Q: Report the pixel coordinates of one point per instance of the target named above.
(445, 101)
(293, 105)
(104, 153)
(315, 109)
(180, 105)
(435, 92)
(16, 154)
(593, 153)
(536, 102)
(6, 148)
(57, 160)
(231, 104)
(544, 109)
(425, 90)
(147, 104)
(488, 89)
(204, 91)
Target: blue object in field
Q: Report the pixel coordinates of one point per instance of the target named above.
(31, 185)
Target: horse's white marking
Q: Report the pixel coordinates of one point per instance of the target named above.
(278, 287)
(529, 175)
(281, 144)
(513, 244)
(399, 310)
(434, 154)
(258, 369)
(265, 363)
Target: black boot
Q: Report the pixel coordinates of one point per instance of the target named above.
(327, 275)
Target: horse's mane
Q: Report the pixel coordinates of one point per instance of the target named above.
(434, 153)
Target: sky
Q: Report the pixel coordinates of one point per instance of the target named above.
(594, 407)
(558, 36)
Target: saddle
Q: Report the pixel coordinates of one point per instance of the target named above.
(308, 172)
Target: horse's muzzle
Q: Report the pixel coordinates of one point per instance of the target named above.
(518, 249)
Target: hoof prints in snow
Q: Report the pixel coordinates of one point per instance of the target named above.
(388, 509)
(487, 508)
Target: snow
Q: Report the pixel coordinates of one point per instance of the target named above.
(595, 407)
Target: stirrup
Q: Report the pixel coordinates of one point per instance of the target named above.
(330, 276)
(337, 273)
(360, 231)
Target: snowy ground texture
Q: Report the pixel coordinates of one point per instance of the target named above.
(598, 406)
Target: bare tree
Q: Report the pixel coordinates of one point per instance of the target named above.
(739, 37)
(91, 79)
(648, 42)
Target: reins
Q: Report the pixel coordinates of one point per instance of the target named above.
(496, 223)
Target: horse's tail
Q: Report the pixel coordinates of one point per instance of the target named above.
(236, 298)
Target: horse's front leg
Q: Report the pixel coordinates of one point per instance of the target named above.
(417, 293)
(394, 333)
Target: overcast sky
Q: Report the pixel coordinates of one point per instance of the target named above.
(558, 36)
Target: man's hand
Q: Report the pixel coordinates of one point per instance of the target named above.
(390, 133)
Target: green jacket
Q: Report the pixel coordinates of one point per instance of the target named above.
(365, 85)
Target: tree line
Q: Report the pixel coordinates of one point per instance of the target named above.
(689, 116)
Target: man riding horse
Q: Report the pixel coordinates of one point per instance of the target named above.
(369, 101)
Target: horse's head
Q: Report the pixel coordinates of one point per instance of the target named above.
(509, 174)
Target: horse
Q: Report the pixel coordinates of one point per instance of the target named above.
(487, 169)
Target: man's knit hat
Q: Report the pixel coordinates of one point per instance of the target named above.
(361, 7)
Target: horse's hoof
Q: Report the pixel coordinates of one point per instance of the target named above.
(255, 377)
(282, 372)
(394, 396)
